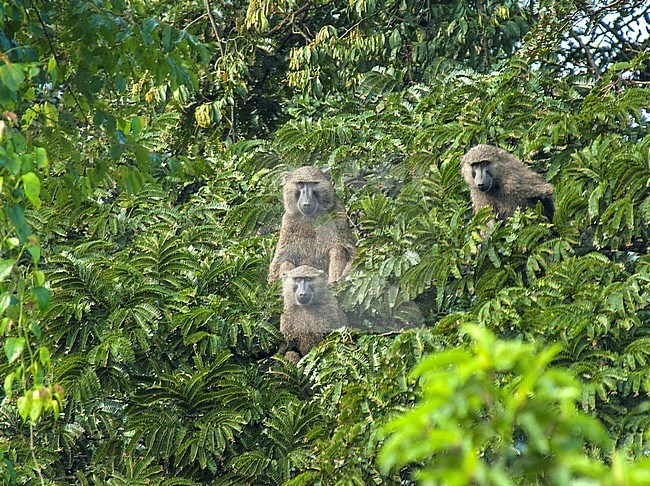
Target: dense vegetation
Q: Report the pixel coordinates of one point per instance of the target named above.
(141, 148)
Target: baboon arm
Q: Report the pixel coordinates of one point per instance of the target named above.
(274, 268)
(338, 263)
(279, 265)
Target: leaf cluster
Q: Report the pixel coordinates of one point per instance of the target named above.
(141, 148)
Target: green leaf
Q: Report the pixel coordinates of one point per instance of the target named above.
(15, 213)
(136, 126)
(37, 406)
(32, 186)
(35, 251)
(39, 277)
(5, 268)
(24, 405)
(5, 302)
(36, 329)
(12, 76)
(41, 158)
(12, 163)
(13, 348)
(41, 296)
(44, 356)
(9, 381)
(116, 151)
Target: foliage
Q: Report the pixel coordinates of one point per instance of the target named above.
(356, 381)
(141, 147)
(498, 414)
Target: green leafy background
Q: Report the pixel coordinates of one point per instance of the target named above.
(141, 152)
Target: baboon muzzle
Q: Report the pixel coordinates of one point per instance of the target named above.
(304, 298)
(483, 186)
(307, 202)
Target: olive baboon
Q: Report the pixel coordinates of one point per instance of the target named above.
(310, 311)
(314, 228)
(498, 179)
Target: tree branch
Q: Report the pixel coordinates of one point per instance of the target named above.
(56, 57)
(590, 58)
(214, 27)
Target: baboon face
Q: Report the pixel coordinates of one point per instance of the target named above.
(303, 289)
(308, 190)
(482, 175)
(481, 167)
(307, 193)
(304, 285)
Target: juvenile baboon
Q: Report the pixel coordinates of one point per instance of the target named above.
(310, 311)
(315, 229)
(498, 179)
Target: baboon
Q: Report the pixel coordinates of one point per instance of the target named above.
(310, 311)
(315, 229)
(498, 179)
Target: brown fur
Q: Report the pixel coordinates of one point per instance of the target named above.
(292, 357)
(323, 240)
(517, 185)
(304, 326)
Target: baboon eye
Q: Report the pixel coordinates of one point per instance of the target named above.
(300, 185)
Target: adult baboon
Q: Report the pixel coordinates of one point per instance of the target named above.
(315, 229)
(498, 179)
(310, 311)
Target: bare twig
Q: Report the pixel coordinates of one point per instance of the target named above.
(214, 27)
(590, 58)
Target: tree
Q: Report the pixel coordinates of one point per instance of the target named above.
(141, 149)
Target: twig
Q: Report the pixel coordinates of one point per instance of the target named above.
(31, 446)
(214, 27)
(590, 58)
(56, 56)
(290, 18)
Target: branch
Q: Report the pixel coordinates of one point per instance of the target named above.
(56, 56)
(590, 58)
(214, 27)
(484, 40)
(290, 18)
(617, 35)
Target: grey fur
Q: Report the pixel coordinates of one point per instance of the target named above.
(321, 238)
(305, 325)
(506, 184)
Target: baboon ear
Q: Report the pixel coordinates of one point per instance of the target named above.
(284, 274)
(327, 174)
(285, 175)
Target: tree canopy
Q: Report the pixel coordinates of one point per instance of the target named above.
(141, 150)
